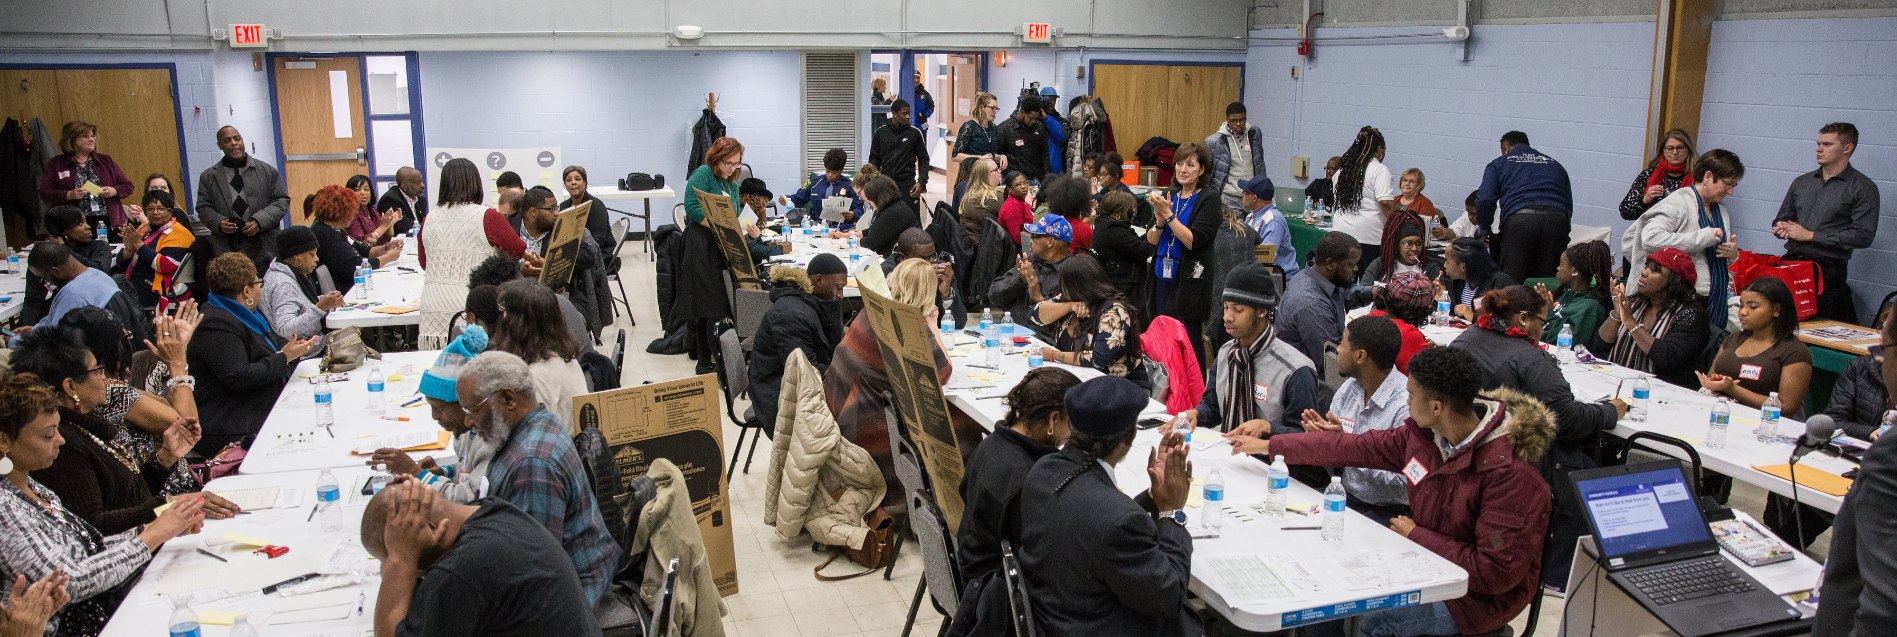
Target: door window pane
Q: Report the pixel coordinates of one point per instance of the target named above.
(388, 84)
(394, 144)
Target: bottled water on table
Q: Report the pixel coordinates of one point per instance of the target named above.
(1767, 432)
(325, 403)
(329, 501)
(987, 319)
(184, 621)
(1564, 344)
(380, 479)
(1007, 326)
(1637, 408)
(1212, 513)
(991, 344)
(1334, 510)
(102, 235)
(242, 628)
(368, 277)
(1034, 358)
(1716, 424)
(1441, 317)
(378, 399)
(1279, 486)
(948, 321)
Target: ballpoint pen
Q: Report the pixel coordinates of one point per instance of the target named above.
(214, 556)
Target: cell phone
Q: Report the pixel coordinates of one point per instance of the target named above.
(1150, 422)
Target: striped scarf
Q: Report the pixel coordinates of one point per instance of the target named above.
(1236, 405)
(1626, 353)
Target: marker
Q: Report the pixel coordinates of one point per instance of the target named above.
(395, 418)
(214, 556)
(413, 401)
(360, 598)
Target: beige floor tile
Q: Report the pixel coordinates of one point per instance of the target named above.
(783, 626)
(882, 616)
(825, 622)
(755, 606)
(824, 598)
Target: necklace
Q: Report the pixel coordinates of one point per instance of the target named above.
(129, 465)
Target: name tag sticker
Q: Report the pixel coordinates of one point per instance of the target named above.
(1749, 372)
(1261, 393)
(1020, 142)
(1414, 471)
(64, 174)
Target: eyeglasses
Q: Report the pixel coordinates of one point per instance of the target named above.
(96, 371)
(479, 405)
(1673, 148)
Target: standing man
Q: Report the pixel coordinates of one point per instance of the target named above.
(1056, 131)
(242, 200)
(1023, 139)
(1238, 154)
(925, 104)
(898, 150)
(1374, 397)
(407, 196)
(1828, 213)
(1535, 200)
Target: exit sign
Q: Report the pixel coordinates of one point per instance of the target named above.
(1037, 33)
(247, 35)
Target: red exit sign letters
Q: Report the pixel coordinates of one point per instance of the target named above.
(247, 35)
(1037, 33)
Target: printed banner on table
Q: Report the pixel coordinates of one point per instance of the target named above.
(730, 235)
(562, 250)
(676, 420)
(907, 342)
(536, 167)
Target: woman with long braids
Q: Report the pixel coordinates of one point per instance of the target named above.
(991, 489)
(1661, 327)
(1103, 563)
(1403, 250)
(1365, 194)
(1586, 273)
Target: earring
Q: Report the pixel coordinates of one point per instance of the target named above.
(6, 465)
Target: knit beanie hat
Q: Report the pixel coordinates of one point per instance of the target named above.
(439, 379)
(1251, 284)
(295, 240)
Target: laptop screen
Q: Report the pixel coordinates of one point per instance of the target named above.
(1643, 511)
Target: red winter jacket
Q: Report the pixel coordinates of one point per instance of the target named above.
(1484, 509)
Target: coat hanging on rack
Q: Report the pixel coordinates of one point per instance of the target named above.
(19, 175)
(708, 129)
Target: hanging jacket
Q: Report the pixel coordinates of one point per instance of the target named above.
(668, 530)
(1088, 132)
(819, 481)
(707, 130)
(1167, 343)
(1230, 249)
(17, 185)
(994, 256)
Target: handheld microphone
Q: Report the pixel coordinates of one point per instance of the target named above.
(1818, 432)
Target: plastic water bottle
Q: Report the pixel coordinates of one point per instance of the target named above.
(1441, 317)
(1334, 510)
(991, 344)
(184, 621)
(1637, 408)
(6, 252)
(325, 404)
(1716, 423)
(329, 501)
(948, 321)
(1007, 327)
(1564, 344)
(101, 233)
(987, 319)
(1212, 513)
(1768, 420)
(368, 276)
(1034, 358)
(380, 479)
(242, 628)
(1278, 487)
(378, 399)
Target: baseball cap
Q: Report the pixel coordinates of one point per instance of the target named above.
(1259, 186)
(1051, 225)
(1676, 260)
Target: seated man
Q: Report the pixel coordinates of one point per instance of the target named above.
(801, 317)
(466, 480)
(468, 569)
(536, 468)
(1261, 384)
(1036, 276)
(79, 286)
(1263, 216)
(915, 243)
(501, 268)
(64, 225)
(1097, 561)
(1374, 397)
(1470, 461)
(586, 288)
(1315, 300)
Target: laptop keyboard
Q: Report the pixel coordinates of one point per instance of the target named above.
(1674, 583)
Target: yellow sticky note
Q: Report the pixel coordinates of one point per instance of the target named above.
(1195, 496)
(91, 188)
(246, 540)
(161, 509)
(218, 617)
(395, 377)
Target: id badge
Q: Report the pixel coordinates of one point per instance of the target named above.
(1165, 268)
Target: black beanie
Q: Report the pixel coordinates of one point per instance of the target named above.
(1251, 284)
(295, 240)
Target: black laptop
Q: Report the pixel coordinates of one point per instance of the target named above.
(1656, 546)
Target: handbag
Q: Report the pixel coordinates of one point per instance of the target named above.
(1805, 278)
(878, 550)
(346, 351)
(642, 181)
(224, 463)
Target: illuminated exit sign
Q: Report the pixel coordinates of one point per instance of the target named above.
(1037, 33)
(247, 35)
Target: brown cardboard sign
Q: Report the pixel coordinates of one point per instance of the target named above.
(907, 343)
(723, 216)
(676, 420)
(562, 250)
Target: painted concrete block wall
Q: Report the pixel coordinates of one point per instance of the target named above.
(618, 112)
(1770, 85)
(1578, 90)
(244, 101)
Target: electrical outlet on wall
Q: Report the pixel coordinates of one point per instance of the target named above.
(1294, 71)
(1300, 167)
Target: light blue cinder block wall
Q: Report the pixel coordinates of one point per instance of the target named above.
(1770, 85)
(618, 112)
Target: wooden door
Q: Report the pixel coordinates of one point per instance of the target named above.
(133, 109)
(1180, 103)
(958, 102)
(319, 110)
(1198, 96)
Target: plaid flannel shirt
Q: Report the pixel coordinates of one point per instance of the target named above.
(538, 471)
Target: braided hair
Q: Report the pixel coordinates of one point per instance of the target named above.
(1039, 394)
(1349, 182)
(1595, 264)
(1094, 447)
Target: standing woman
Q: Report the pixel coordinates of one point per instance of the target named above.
(462, 233)
(701, 264)
(1765, 356)
(1364, 194)
(977, 135)
(982, 202)
(79, 163)
(1468, 273)
(1587, 290)
(1122, 253)
(1670, 170)
(1094, 325)
(367, 227)
(1661, 327)
(598, 219)
(878, 96)
(1187, 223)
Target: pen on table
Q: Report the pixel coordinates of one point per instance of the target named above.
(214, 556)
(312, 514)
(413, 401)
(395, 418)
(332, 431)
(360, 598)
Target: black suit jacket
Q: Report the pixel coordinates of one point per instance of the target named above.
(241, 375)
(1097, 562)
(1860, 586)
(410, 216)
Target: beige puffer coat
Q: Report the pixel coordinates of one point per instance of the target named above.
(819, 482)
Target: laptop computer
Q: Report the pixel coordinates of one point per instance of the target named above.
(1655, 544)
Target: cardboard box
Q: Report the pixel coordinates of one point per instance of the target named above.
(677, 420)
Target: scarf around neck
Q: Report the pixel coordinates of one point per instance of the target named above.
(251, 319)
(1236, 405)
(1662, 170)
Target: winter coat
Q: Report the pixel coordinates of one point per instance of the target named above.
(242, 374)
(1124, 254)
(18, 179)
(1087, 133)
(666, 241)
(1220, 145)
(291, 312)
(994, 257)
(1230, 249)
(1520, 364)
(1858, 398)
(796, 322)
(819, 481)
(1167, 343)
(706, 130)
(668, 530)
(1673, 222)
(1484, 509)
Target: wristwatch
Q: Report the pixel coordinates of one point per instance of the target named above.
(1176, 515)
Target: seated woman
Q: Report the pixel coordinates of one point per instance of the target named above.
(155, 251)
(858, 376)
(1402, 251)
(291, 301)
(1587, 288)
(369, 228)
(43, 536)
(243, 363)
(102, 487)
(1468, 273)
(1410, 195)
(142, 418)
(890, 215)
(1661, 327)
(1095, 326)
(332, 212)
(991, 489)
(530, 327)
(1765, 357)
(1406, 301)
(1016, 209)
(1106, 181)
(982, 202)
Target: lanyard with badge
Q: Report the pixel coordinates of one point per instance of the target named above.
(1174, 246)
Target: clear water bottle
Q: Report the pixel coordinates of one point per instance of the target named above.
(987, 319)
(368, 276)
(380, 479)
(1334, 510)
(13, 260)
(325, 403)
(329, 501)
(1278, 487)
(184, 621)
(378, 398)
(991, 344)
(948, 320)
(1716, 424)
(242, 628)
(1637, 408)
(1441, 317)
(1768, 420)
(6, 253)
(102, 235)
(1564, 344)
(1034, 358)
(1212, 513)
(1007, 327)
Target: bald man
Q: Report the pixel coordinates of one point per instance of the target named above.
(482, 568)
(408, 196)
(242, 199)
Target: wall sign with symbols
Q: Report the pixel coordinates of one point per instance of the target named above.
(247, 35)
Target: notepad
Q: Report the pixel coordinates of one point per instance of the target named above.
(397, 309)
(406, 441)
(251, 499)
(1813, 478)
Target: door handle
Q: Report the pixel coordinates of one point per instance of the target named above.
(362, 157)
(356, 156)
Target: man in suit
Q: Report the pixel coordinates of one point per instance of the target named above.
(407, 196)
(1860, 585)
(1096, 561)
(243, 200)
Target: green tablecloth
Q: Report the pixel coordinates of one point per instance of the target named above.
(1304, 238)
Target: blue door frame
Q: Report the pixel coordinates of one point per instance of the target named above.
(414, 115)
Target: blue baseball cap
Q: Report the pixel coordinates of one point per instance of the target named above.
(1051, 225)
(1049, 90)
(1260, 186)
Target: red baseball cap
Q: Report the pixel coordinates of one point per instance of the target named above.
(1676, 260)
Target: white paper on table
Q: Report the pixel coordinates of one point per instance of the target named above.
(251, 499)
(834, 208)
(307, 615)
(244, 572)
(1371, 569)
(1247, 579)
(396, 440)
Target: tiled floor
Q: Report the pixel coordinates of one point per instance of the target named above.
(778, 596)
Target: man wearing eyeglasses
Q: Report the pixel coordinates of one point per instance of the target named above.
(79, 285)
(537, 213)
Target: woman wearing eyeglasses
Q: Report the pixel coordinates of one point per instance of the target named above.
(1670, 170)
(244, 365)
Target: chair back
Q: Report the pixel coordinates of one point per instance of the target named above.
(619, 352)
(678, 216)
(940, 570)
(747, 312)
(1332, 377)
(620, 225)
(1579, 234)
(1020, 606)
(602, 471)
(1632, 451)
(910, 472)
(668, 593)
(733, 371)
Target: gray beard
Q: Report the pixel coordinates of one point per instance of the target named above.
(495, 428)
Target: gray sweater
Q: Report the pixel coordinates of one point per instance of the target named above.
(291, 314)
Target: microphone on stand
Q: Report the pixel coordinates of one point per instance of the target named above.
(1818, 432)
